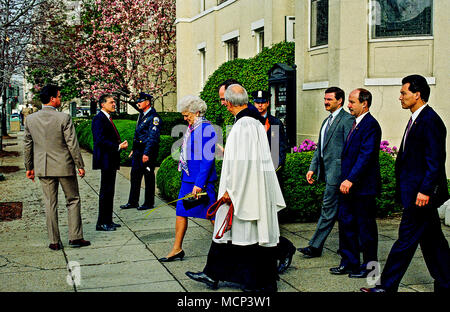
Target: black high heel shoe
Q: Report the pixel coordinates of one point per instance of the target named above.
(179, 255)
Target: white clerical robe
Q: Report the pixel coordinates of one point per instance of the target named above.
(249, 177)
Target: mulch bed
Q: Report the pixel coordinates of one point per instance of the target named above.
(9, 154)
(9, 169)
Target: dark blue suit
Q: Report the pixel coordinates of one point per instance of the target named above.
(357, 210)
(420, 167)
(145, 142)
(106, 157)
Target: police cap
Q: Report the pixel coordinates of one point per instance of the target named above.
(260, 96)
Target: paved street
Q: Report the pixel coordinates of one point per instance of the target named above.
(126, 260)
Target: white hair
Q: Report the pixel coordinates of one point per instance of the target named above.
(192, 104)
(236, 95)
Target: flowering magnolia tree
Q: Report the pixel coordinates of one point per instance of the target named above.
(126, 46)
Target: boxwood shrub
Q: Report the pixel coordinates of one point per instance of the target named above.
(303, 200)
(126, 130)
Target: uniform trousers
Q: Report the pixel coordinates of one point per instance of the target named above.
(137, 172)
(70, 188)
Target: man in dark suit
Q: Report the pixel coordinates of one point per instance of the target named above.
(277, 136)
(144, 154)
(326, 164)
(106, 157)
(421, 189)
(360, 173)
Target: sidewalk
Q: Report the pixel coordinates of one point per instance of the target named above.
(126, 260)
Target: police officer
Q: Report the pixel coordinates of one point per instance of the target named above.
(275, 134)
(144, 153)
(274, 128)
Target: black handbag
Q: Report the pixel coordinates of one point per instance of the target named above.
(191, 202)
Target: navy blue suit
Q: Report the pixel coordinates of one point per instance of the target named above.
(420, 167)
(145, 142)
(357, 210)
(106, 157)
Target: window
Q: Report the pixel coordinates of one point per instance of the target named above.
(401, 18)
(259, 40)
(257, 28)
(290, 28)
(202, 67)
(232, 49)
(319, 23)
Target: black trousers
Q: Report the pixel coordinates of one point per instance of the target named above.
(252, 266)
(419, 225)
(358, 230)
(106, 196)
(137, 172)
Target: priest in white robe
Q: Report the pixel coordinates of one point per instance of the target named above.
(247, 253)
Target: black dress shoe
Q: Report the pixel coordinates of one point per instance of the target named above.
(144, 207)
(115, 225)
(79, 243)
(310, 252)
(203, 278)
(129, 206)
(341, 270)
(105, 227)
(56, 246)
(373, 290)
(286, 262)
(360, 274)
(179, 255)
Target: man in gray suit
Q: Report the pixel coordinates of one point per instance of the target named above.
(51, 152)
(326, 163)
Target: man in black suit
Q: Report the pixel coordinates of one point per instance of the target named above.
(361, 183)
(421, 189)
(106, 157)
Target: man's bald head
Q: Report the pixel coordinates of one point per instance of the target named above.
(236, 95)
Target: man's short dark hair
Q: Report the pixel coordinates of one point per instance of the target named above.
(103, 99)
(228, 83)
(418, 83)
(365, 95)
(338, 93)
(47, 92)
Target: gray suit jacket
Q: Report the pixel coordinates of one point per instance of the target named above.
(51, 145)
(329, 170)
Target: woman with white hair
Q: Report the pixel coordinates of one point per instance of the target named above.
(197, 166)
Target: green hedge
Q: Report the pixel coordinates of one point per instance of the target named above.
(169, 120)
(126, 130)
(252, 73)
(303, 200)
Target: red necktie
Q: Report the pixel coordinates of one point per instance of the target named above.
(115, 129)
(267, 125)
(407, 132)
(350, 133)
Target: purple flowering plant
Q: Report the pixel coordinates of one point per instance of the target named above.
(384, 146)
(306, 146)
